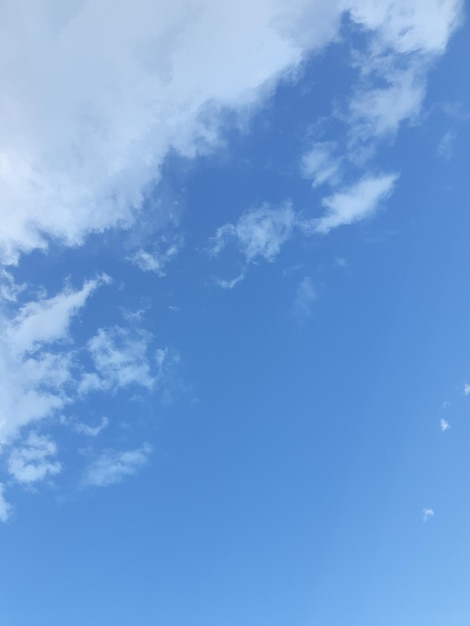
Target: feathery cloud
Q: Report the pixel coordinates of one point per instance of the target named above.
(91, 431)
(36, 372)
(33, 460)
(112, 466)
(321, 165)
(444, 425)
(5, 507)
(157, 260)
(258, 234)
(304, 298)
(355, 203)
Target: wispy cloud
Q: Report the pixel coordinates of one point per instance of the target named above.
(427, 514)
(321, 165)
(37, 372)
(91, 431)
(304, 299)
(261, 233)
(466, 389)
(112, 466)
(355, 203)
(444, 425)
(5, 507)
(379, 111)
(389, 90)
(48, 319)
(405, 39)
(423, 27)
(258, 234)
(34, 460)
(229, 283)
(445, 149)
(340, 262)
(158, 259)
(9, 289)
(45, 373)
(120, 358)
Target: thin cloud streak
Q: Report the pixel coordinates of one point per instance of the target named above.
(112, 466)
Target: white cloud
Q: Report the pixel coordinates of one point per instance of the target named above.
(380, 111)
(427, 514)
(37, 373)
(120, 359)
(166, 378)
(48, 320)
(112, 466)
(229, 284)
(5, 507)
(466, 389)
(304, 298)
(91, 431)
(445, 149)
(444, 425)
(422, 26)
(42, 373)
(157, 260)
(406, 37)
(85, 128)
(84, 131)
(355, 203)
(320, 165)
(9, 289)
(259, 233)
(32, 461)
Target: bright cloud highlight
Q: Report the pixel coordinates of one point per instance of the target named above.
(355, 203)
(86, 128)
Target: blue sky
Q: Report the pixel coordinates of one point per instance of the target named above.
(234, 351)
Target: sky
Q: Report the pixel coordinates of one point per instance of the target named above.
(234, 347)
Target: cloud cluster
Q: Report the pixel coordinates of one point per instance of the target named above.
(44, 373)
(34, 459)
(402, 40)
(94, 95)
(260, 233)
(86, 128)
(36, 364)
